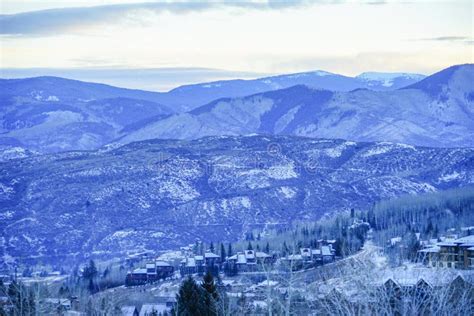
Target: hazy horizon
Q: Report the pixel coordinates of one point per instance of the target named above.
(154, 79)
(261, 37)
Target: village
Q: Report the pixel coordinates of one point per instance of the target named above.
(254, 279)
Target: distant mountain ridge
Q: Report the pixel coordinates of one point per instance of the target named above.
(436, 111)
(49, 114)
(206, 92)
(161, 194)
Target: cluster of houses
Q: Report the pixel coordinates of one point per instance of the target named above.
(240, 262)
(251, 260)
(312, 257)
(245, 261)
(449, 252)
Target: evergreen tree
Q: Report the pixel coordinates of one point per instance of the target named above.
(201, 249)
(211, 247)
(91, 286)
(413, 245)
(285, 249)
(189, 299)
(267, 248)
(209, 285)
(223, 254)
(3, 289)
(249, 246)
(90, 271)
(229, 250)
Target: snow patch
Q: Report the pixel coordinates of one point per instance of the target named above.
(287, 192)
(449, 177)
(337, 151)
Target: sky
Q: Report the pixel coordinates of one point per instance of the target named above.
(236, 38)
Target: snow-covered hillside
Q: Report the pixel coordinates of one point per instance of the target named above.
(162, 193)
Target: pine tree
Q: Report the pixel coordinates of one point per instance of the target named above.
(210, 295)
(211, 247)
(249, 246)
(267, 248)
(229, 250)
(90, 271)
(3, 289)
(209, 285)
(285, 249)
(196, 248)
(190, 299)
(92, 286)
(223, 255)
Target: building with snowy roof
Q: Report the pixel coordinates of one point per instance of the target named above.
(450, 253)
(153, 271)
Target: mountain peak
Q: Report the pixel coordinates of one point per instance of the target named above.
(461, 76)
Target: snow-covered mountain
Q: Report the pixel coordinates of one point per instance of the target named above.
(162, 193)
(50, 114)
(437, 111)
(395, 80)
(199, 94)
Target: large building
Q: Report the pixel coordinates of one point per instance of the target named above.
(450, 253)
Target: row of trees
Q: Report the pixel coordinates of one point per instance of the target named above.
(20, 300)
(410, 219)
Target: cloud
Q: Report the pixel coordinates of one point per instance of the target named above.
(54, 21)
(451, 39)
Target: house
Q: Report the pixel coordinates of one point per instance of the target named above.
(263, 258)
(327, 254)
(211, 259)
(188, 266)
(199, 264)
(152, 272)
(129, 311)
(136, 277)
(163, 269)
(248, 261)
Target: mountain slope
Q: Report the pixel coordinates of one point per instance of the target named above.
(52, 114)
(438, 111)
(163, 193)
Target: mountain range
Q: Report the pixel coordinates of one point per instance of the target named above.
(436, 111)
(51, 114)
(160, 194)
